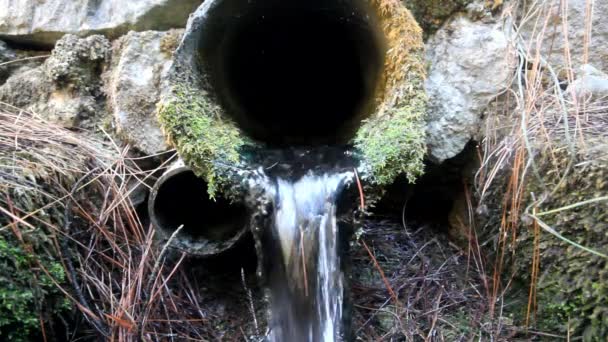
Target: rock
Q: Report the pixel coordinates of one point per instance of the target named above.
(139, 67)
(590, 84)
(76, 63)
(26, 89)
(553, 42)
(15, 60)
(6, 54)
(43, 22)
(471, 63)
(431, 14)
(66, 89)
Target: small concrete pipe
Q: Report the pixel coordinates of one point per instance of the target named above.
(179, 198)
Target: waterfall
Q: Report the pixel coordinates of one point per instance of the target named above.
(304, 270)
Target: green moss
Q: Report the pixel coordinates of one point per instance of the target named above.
(27, 293)
(392, 141)
(393, 144)
(207, 141)
(572, 288)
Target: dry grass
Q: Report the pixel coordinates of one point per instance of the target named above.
(424, 292)
(76, 189)
(528, 127)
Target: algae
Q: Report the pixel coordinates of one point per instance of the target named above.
(392, 140)
(207, 140)
(572, 284)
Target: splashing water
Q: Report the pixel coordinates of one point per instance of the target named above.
(306, 280)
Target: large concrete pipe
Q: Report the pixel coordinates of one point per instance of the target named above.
(293, 72)
(208, 227)
(250, 75)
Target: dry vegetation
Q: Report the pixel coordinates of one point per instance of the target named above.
(534, 262)
(65, 198)
(540, 159)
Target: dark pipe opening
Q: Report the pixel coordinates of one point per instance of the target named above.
(293, 72)
(181, 198)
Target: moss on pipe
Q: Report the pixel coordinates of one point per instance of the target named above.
(390, 141)
(207, 140)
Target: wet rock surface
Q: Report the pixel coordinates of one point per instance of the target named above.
(471, 62)
(42, 23)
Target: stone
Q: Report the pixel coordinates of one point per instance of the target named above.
(431, 14)
(6, 54)
(26, 89)
(140, 63)
(591, 84)
(552, 40)
(66, 89)
(470, 64)
(76, 63)
(43, 22)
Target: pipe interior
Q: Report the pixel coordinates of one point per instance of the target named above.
(301, 72)
(183, 199)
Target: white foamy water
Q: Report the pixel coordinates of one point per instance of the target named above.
(306, 281)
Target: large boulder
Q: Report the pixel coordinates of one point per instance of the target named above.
(140, 64)
(587, 33)
(66, 89)
(43, 22)
(471, 62)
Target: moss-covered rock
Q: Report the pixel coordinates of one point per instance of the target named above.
(572, 283)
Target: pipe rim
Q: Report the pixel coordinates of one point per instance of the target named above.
(200, 246)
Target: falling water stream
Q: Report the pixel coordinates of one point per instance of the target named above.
(305, 276)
